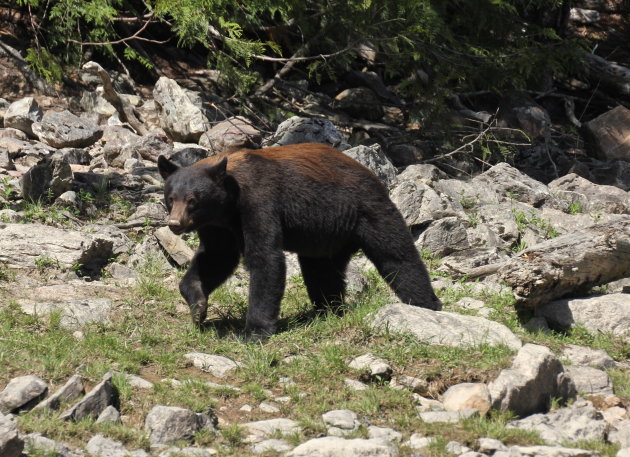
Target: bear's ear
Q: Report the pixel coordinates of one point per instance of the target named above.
(166, 167)
(218, 171)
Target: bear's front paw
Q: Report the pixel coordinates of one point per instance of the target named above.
(198, 313)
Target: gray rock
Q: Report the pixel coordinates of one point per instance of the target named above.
(234, 132)
(11, 445)
(419, 441)
(99, 446)
(331, 446)
(465, 262)
(5, 160)
(307, 130)
(138, 382)
(75, 314)
(62, 129)
(216, 365)
(176, 248)
(22, 393)
(269, 407)
(417, 385)
(419, 203)
(166, 424)
(51, 176)
(179, 117)
(373, 158)
(444, 237)
(620, 433)
(23, 244)
(579, 422)
(372, 368)
(604, 313)
(590, 381)
(46, 446)
(609, 134)
(467, 395)
(71, 390)
(384, 433)
(510, 184)
(449, 417)
(623, 452)
(272, 426)
(490, 445)
(591, 197)
(443, 328)
(535, 377)
(94, 402)
(185, 452)
(271, 445)
(355, 385)
(21, 114)
(109, 415)
(457, 448)
(341, 422)
(548, 451)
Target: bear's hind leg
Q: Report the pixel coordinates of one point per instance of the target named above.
(388, 244)
(325, 279)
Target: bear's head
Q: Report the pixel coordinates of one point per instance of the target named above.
(198, 195)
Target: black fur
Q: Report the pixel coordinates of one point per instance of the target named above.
(309, 199)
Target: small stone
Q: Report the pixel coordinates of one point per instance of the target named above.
(216, 365)
(138, 382)
(110, 415)
(271, 445)
(373, 368)
(99, 446)
(467, 395)
(384, 433)
(596, 358)
(354, 384)
(166, 424)
(37, 442)
(419, 441)
(271, 426)
(331, 446)
(341, 418)
(590, 381)
(450, 417)
(71, 390)
(490, 445)
(417, 385)
(101, 396)
(457, 448)
(269, 407)
(22, 393)
(246, 408)
(187, 452)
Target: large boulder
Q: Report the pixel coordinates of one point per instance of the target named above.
(443, 328)
(179, 117)
(510, 184)
(307, 130)
(609, 134)
(21, 114)
(50, 177)
(535, 377)
(27, 245)
(591, 197)
(62, 129)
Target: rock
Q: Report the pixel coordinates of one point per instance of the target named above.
(590, 381)
(179, 117)
(456, 448)
(592, 198)
(359, 102)
(152, 145)
(373, 158)
(71, 390)
(46, 446)
(94, 402)
(535, 377)
(216, 365)
(341, 422)
(384, 433)
(62, 129)
(584, 16)
(417, 202)
(11, 445)
(580, 355)
(166, 424)
(427, 404)
(604, 313)
(50, 177)
(444, 236)
(109, 415)
(373, 368)
(443, 328)
(418, 441)
(138, 382)
(21, 114)
(187, 154)
(490, 445)
(271, 445)
(174, 246)
(5, 160)
(331, 446)
(269, 427)
(624, 452)
(355, 385)
(449, 417)
(22, 393)
(580, 422)
(99, 446)
(306, 130)
(510, 184)
(269, 407)
(75, 314)
(547, 451)
(232, 133)
(417, 385)
(186, 452)
(620, 433)
(609, 134)
(23, 244)
(467, 395)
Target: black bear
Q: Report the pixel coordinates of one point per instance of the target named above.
(310, 199)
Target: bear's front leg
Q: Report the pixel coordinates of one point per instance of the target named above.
(266, 287)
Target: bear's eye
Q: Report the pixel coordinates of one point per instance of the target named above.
(192, 201)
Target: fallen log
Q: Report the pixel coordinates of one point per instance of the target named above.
(593, 256)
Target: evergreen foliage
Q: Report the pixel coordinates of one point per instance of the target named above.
(460, 44)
